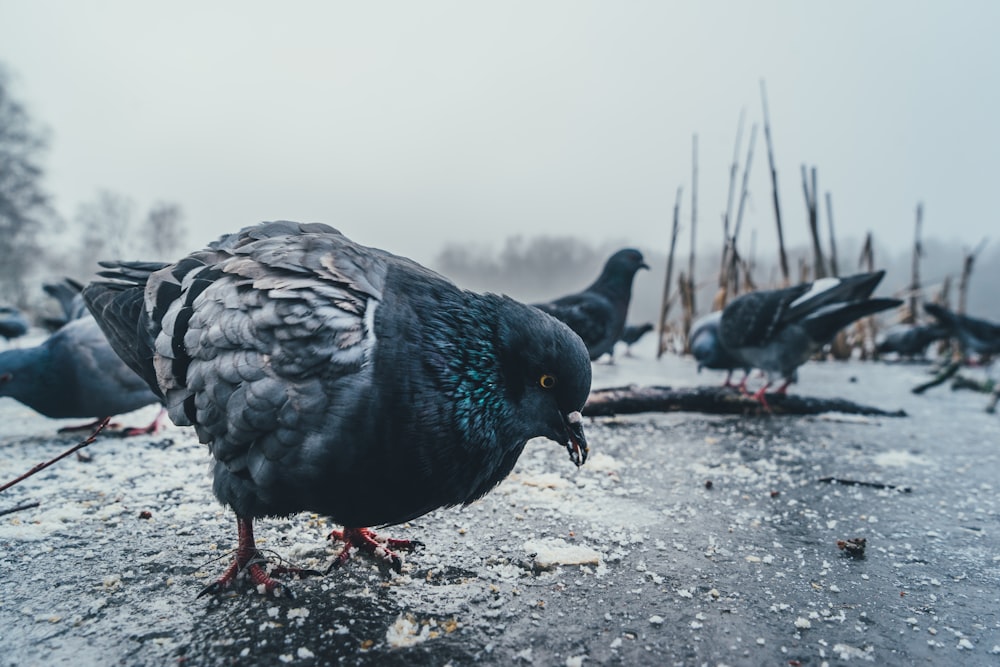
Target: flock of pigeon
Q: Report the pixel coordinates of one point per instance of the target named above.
(334, 378)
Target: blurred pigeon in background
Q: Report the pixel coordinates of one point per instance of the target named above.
(67, 294)
(910, 340)
(632, 334)
(709, 352)
(74, 373)
(981, 337)
(597, 314)
(12, 323)
(334, 378)
(779, 330)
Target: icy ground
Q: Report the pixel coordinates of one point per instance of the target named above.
(632, 559)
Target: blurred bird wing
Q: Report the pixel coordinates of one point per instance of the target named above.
(586, 314)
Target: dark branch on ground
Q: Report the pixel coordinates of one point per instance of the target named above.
(716, 400)
(25, 506)
(45, 464)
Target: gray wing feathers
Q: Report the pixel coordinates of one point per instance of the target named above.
(280, 320)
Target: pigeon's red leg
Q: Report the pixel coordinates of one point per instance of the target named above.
(250, 560)
(742, 386)
(152, 429)
(760, 398)
(367, 541)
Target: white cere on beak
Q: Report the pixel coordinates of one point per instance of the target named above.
(574, 417)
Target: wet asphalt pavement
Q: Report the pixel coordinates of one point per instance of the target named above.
(686, 539)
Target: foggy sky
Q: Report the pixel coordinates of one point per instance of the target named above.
(412, 124)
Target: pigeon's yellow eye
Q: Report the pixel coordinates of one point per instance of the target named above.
(547, 381)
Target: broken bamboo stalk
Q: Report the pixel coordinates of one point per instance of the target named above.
(782, 256)
(963, 283)
(834, 270)
(819, 268)
(665, 304)
(918, 251)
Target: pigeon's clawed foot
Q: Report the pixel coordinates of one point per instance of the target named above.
(153, 428)
(250, 561)
(367, 541)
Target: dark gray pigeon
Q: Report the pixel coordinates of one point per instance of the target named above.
(597, 314)
(981, 337)
(334, 378)
(632, 334)
(910, 340)
(709, 352)
(73, 374)
(12, 323)
(779, 330)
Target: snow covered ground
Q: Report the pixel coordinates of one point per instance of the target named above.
(685, 539)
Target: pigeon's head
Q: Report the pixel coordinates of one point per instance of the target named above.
(705, 346)
(546, 373)
(625, 262)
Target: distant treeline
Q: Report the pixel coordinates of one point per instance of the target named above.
(540, 268)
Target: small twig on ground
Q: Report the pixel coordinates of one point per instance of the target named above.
(42, 466)
(855, 482)
(940, 378)
(25, 506)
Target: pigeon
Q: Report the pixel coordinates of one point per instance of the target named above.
(330, 377)
(632, 334)
(12, 323)
(978, 336)
(68, 294)
(709, 352)
(597, 314)
(910, 340)
(779, 330)
(74, 373)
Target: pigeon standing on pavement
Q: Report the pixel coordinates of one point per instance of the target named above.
(709, 352)
(597, 314)
(329, 377)
(632, 334)
(981, 337)
(779, 330)
(910, 340)
(74, 374)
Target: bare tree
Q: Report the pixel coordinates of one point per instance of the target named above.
(106, 224)
(164, 231)
(25, 207)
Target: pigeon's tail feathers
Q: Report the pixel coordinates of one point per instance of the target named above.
(823, 325)
(826, 291)
(118, 305)
(947, 318)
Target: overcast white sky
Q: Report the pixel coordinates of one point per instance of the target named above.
(411, 124)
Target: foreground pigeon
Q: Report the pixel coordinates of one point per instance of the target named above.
(329, 377)
(981, 337)
(709, 352)
(597, 314)
(12, 323)
(777, 331)
(74, 373)
(910, 340)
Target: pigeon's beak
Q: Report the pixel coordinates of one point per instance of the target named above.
(577, 444)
